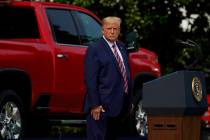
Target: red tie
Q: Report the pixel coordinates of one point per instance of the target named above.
(122, 68)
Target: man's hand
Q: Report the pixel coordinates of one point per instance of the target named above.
(96, 112)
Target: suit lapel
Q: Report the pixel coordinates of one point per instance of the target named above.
(110, 54)
(124, 56)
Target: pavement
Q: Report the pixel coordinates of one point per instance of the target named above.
(205, 135)
(83, 138)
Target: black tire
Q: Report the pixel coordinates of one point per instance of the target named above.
(38, 126)
(138, 120)
(11, 115)
(141, 124)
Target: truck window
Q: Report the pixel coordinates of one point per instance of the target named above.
(63, 26)
(89, 28)
(18, 23)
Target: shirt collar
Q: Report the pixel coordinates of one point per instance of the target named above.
(109, 43)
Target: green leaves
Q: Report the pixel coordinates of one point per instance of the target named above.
(84, 3)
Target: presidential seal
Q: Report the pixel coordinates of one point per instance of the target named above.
(197, 89)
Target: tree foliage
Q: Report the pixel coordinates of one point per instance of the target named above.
(159, 25)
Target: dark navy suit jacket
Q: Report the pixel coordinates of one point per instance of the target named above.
(104, 82)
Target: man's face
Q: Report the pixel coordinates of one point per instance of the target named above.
(111, 30)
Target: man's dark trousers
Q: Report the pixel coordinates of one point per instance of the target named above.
(106, 128)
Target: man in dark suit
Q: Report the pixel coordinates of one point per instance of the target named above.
(108, 83)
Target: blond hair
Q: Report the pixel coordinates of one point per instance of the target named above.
(111, 18)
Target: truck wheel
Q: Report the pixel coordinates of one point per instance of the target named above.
(139, 116)
(141, 120)
(11, 115)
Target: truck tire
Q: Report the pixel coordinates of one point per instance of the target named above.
(138, 119)
(11, 115)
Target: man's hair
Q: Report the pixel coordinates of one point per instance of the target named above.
(111, 18)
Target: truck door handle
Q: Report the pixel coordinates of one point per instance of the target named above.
(62, 56)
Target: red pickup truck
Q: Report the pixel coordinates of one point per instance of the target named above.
(42, 48)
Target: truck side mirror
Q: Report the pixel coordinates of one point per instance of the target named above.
(131, 40)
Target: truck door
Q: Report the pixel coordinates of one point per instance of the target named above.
(71, 34)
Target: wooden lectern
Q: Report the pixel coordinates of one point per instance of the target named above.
(174, 104)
